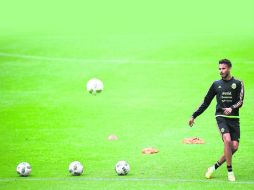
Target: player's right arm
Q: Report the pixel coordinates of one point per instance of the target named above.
(204, 105)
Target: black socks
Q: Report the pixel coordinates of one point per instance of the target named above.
(229, 168)
(217, 164)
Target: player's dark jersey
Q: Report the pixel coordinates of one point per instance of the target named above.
(229, 93)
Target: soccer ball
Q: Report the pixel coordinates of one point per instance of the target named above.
(76, 168)
(122, 168)
(24, 169)
(94, 86)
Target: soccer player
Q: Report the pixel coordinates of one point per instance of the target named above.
(229, 94)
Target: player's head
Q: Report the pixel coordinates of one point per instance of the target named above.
(224, 68)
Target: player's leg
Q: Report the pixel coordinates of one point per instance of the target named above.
(223, 129)
(234, 126)
(221, 161)
(211, 169)
(225, 126)
(228, 150)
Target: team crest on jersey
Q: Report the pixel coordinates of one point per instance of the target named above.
(233, 86)
(222, 130)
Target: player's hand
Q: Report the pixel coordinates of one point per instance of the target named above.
(227, 111)
(191, 121)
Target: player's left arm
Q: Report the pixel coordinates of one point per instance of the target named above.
(240, 94)
(239, 103)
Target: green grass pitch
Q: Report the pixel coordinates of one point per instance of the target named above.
(154, 79)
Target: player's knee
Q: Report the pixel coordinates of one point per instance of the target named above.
(226, 139)
(235, 147)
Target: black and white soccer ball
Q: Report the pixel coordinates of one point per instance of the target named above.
(76, 168)
(122, 168)
(24, 169)
(94, 86)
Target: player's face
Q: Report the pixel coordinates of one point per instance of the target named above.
(224, 70)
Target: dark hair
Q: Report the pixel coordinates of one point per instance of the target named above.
(226, 62)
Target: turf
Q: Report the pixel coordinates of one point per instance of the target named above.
(49, 120)
(153, 82)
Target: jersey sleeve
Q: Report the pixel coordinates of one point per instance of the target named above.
(206, 102)
(240, 95)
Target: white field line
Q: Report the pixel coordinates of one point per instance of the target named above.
(115, 61)
(122, 179)
(75, 60)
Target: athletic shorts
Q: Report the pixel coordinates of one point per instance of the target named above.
(229, 125)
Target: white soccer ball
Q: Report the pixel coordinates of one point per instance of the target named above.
(76, 168)
(94, 86)
(24, 169)
(122, 168)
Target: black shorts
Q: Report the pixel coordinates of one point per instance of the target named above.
(229, 125)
